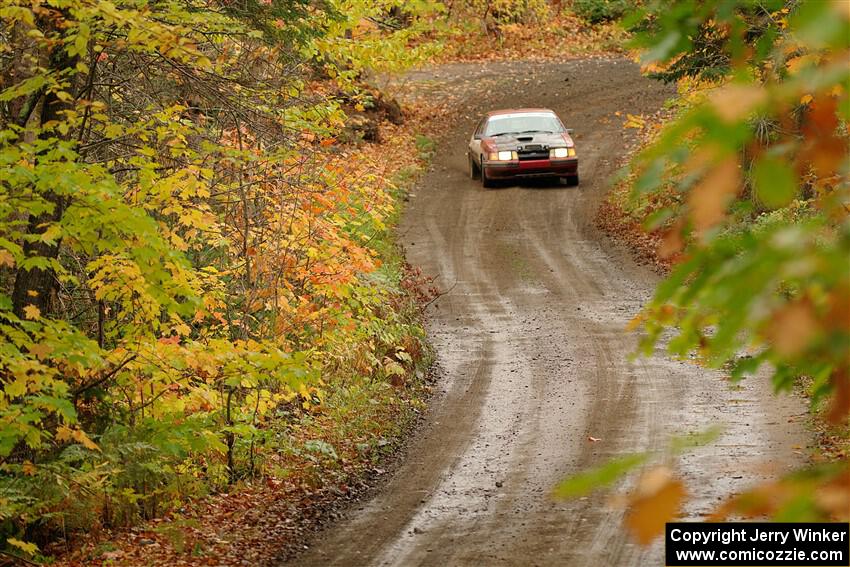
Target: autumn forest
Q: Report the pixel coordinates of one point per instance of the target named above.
(211, 322)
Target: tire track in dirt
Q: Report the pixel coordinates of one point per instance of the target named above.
(533, 351)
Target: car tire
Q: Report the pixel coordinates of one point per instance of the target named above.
(474, 171)
(485, 181)
(572, 180)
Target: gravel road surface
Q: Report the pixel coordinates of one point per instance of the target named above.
(533, 354)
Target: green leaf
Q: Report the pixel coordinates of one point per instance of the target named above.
(664, 48)
(321, 447)
(588, 481)
(690, 441)
(25, 546)
(775, 182)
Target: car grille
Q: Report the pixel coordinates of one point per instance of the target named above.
(526, 153)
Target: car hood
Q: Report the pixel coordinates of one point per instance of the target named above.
(540, 140)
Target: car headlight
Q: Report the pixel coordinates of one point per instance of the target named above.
(562, 152)
(502, 156)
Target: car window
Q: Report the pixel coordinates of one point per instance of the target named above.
(524, 122)
(479, 129)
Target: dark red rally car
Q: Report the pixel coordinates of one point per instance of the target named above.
(522, 142)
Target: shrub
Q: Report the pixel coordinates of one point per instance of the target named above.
(596, 11)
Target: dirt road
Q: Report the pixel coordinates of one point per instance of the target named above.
(533, 353)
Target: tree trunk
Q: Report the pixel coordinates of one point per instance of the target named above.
(38, 286)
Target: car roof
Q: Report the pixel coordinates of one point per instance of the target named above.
(518, 111)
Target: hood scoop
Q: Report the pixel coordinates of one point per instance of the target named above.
(524, 138)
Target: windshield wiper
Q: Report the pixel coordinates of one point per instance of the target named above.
(536, 132)
(503, 134)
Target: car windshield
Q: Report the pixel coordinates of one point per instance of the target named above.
(521, 123)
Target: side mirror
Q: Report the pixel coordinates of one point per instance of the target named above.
(570, 131)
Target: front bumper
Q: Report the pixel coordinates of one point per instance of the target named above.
(531, 168)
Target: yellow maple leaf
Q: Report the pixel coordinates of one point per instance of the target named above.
(28, 468)
(41, 350)
(6, 259)
(64, 433)
(182, 329)
(83, 439)
(32, 312)
(633, 121)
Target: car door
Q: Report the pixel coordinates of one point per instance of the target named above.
(475, 141)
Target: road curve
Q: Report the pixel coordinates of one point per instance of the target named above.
(534, 357)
